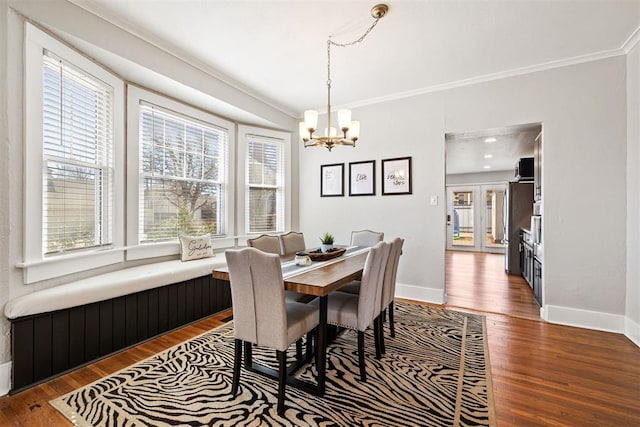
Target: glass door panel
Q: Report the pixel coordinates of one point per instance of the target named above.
(493, 218)
(475, 218)
(462, 218)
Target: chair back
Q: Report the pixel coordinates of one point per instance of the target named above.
(371, 285)
(292, 242)
(366, 238)
(266, 243)
(391, 269)
(257, 296)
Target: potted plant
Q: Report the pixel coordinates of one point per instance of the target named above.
(327, 241)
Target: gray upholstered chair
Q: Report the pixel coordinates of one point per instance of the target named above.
(389, 288)
(271, 244)
(291, 243)
(261, 315)
(358, 312)
(366, 238)
(266, 243)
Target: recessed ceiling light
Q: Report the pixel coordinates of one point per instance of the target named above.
(490, 139)
(488, 156)
(487, 167)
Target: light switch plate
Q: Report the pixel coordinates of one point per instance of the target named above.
(433, 200)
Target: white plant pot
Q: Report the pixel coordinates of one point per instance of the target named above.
(324, 248)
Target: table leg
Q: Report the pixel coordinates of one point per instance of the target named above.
(322, 345)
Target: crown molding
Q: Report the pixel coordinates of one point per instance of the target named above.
(626, 47)
(632, 41)
(493, 76)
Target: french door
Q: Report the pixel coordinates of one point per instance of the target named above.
(475, 218)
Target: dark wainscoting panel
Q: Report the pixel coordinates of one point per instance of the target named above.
(49, 344)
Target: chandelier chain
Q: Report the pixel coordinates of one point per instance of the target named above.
(350, 130)
(366, 33)
(331, 42)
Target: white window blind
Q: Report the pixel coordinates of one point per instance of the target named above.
(77, 158)
(265, 184)
(183, 164)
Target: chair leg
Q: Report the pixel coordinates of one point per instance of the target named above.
(391, 326)
(376, 337)
(299, 349)
(310, 335)
(282, 379)
(316, 349)
(363, 373)
(248, 354)
(237, 360)
(383, 349)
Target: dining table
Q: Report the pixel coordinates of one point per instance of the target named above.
(319, 280)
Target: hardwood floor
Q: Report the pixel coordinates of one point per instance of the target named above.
(543, 374)
(478, 281)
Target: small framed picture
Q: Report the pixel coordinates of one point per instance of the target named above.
(362, 178)
(396, 176)
(332, 180)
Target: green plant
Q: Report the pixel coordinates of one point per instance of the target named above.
(327, 239)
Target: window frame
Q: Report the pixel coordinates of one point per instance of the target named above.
(135, 96)
(35, 264)
(244, 131)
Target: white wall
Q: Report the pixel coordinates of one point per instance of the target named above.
(633, 196)
(583, 111)
(4, 190)
(410, 127)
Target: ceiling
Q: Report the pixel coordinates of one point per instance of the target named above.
(490, 150)
(276, 51)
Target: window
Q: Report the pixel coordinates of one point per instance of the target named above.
(182, 170)
(180, 161)
(264, 180)
(178, 166)
(265, 198)
(73, 161)
(77, 149)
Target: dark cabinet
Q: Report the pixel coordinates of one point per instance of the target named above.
(526, 258)
(537, 281)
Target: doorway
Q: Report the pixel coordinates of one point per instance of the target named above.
(475, 218)
(479, 165)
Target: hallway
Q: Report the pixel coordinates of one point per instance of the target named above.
(478, 281)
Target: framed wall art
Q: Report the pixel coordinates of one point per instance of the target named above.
(396, 176)
(332, 180)
(362, 178)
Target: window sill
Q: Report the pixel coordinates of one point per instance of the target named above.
(153, 250)
(49, 268)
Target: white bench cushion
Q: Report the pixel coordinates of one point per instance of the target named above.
(110, 285)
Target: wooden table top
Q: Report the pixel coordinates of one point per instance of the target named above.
(320, 281)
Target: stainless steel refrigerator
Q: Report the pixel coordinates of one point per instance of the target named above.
(518, 208)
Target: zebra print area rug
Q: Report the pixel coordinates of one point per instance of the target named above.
(435, 373)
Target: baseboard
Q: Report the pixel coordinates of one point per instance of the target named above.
(419, 293)
(5, 378)
(632, 331)
(584, 318)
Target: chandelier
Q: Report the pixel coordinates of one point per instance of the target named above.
(350, 129)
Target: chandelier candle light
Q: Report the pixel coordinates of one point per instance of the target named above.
(350, 129)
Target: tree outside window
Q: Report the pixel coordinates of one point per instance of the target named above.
(182, 166)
